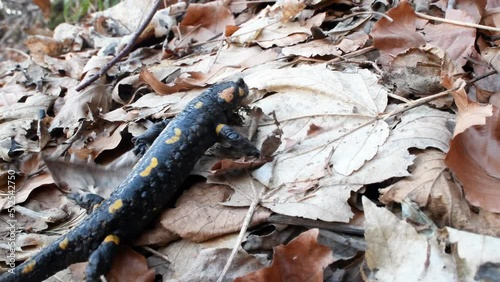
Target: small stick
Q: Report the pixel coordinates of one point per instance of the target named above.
(158, 254)
(371, 13)
(246, 223)
(421, 101)
(478, 26)
(123, 52)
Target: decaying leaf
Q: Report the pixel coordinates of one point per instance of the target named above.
(473, 158)
(458, 41)
(199, 215)
(392, 38)
(396, 250)
(426, 176)
(303, 259)
(130, 265)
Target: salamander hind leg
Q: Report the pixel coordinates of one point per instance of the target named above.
(228, 134)
(100, 260)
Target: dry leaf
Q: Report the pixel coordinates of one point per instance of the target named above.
(199, 215)
(473, 157)
(458, 41)
(426, 176)
(209, 264)
(129, 265)
(396, 251)
(201, 23)
(392, 38)
(303, 259)
(84, 105)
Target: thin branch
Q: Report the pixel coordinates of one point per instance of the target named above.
(158, 254)
(364, 13)
(424, 100)
(256, 200)
(473, 25)
(125, 51)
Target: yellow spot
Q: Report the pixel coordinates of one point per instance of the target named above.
(147, 170)
(219, 128)
(29, 267)
(174, 138)
(242, 92)
(112, 238)
(227, 95)
(115, 206)
(64, 244)
(198, 105)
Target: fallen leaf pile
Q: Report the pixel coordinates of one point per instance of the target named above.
(379, 120)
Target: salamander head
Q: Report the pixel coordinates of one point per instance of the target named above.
(230, 94)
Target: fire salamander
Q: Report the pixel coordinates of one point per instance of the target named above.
(144, 193)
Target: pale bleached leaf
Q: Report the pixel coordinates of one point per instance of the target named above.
(397, 252)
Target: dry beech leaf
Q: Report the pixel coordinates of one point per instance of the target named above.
(303, 259)
(474, 9)
(210, 262)
(335, 98)
(396, 249)
(84, 105)
(19, 118)
(44, 5)
(473, 157)
(492, 56)
(469, 113)
(78, 175)
(228, 61)
(458, 41)
(129, 265)
(426, 176)
(415, 72)
(199, 215)
(201, 23)
(230, 166)
(472, 250)
(314, 177)
(41, 46)
(392, 38)
(179, 84)
(447, 207)
(266, 31)
(26, 187)
(323, 47)
(128, 13)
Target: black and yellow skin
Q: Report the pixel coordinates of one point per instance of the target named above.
(147, 189)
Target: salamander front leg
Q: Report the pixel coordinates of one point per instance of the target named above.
(87, 201)
(143, 141)
(231, 136)
(101, 259)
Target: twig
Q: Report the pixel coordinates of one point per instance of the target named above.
(244, 227)
(156, 253)
(125, 51)
(18, 51)
(364, 13)
(421, 101)
(415, 103)
(475, 79)
(352, 54)
(473, 25)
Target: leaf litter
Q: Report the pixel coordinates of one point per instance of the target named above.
(393, 118)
